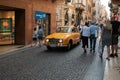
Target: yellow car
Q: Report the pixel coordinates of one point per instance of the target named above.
(65, 36)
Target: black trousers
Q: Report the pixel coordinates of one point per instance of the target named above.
(84, 41)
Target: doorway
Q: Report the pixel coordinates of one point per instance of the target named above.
(12, 26)
(45, 24)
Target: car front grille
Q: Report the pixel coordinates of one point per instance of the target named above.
(53, 41)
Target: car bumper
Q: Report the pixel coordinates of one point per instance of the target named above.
(56, 45)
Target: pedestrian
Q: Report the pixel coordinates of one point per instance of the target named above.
(93, 36)
(85, 32)
(79, 27)
(34, 37)
(75, 25)
(115, 33)
(106, 37)
(40, 35)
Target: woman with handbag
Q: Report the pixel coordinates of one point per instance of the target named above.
(106, 38)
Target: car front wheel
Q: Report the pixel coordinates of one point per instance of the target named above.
(69, 45)
(49, 48)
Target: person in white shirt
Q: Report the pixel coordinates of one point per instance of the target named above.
(34, 37)
(85, 32)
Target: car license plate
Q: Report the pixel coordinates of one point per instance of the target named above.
(52, 45)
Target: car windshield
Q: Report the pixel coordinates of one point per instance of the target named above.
(63, 30)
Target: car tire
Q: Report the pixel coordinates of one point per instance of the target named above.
(49, 48)
(78, 43)
(69, 45)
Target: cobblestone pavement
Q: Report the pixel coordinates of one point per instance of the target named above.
(35, 63)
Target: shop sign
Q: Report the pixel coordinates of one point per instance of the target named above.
(40, 15)
(5, 24)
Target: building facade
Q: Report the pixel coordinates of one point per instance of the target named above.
(115, 8)
(21, 17)
(103, 12)
(69, 12)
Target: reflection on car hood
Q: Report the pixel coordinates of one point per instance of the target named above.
(57, 35)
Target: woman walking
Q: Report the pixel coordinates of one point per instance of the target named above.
(85, 31)
(106, 37)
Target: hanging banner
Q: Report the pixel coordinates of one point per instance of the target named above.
(5, 25)
(40, 15)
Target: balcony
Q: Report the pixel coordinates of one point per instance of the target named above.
(93, 4)
(67, 1)
(117, 2)
(79, 7)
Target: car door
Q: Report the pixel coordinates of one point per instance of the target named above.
(76, 36)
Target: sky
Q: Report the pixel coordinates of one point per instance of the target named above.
(105, 3)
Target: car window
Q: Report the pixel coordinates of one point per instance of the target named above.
(74, 30)
(63, 30)
(69, 30)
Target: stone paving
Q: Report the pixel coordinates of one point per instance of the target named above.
(112, 69)
(8, 48)
(35, 63)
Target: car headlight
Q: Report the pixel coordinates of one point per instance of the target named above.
(60, 40)
(47, 40)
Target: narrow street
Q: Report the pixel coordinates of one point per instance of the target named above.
(35, 63)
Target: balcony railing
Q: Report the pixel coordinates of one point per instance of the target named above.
(79, 7)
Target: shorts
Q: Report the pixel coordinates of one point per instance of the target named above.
(34, 39)
(40, 37)
(114, 39)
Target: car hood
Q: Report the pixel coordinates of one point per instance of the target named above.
(57, 35)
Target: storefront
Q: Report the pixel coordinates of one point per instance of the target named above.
(11, 24)
(43, 19)
(20, 15)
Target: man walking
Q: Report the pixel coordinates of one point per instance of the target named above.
(93, 36)
(115, 33)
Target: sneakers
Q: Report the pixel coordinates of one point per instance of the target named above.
(111, 55)
(114, 55)
(85, 51)
(100, 55)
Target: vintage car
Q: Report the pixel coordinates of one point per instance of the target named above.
(65, 36)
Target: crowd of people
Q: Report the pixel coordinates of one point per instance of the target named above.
(108, 36)
(110, 31)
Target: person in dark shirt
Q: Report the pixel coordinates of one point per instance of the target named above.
(40, 35)
(115, 26)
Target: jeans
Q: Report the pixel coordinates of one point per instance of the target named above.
(92, 42)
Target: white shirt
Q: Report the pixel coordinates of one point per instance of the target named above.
(35, 34)
(85, 31)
